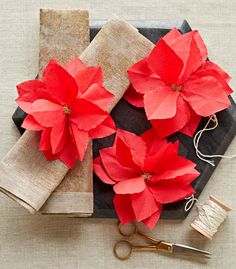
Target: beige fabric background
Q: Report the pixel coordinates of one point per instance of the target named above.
(57, 242)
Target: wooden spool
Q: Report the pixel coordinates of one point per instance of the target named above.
(222, 205)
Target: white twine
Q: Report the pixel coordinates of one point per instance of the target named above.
(210, 217)
(196, 141)
(191, 199)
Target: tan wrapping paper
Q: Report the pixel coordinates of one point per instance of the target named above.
(26, 176)
(74, 196)
(63, 36)
(116, 47)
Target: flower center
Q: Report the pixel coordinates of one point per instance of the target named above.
(146, 176)
(176, 87)
(66, 110)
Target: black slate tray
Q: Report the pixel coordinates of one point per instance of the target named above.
(134, 119)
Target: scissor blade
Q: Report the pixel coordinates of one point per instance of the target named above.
(182, 249)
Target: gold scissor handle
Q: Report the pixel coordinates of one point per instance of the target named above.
(122, 244)
(123, 249)
(133, 230)
(132, 226)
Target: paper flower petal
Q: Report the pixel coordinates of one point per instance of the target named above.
(57, 79)
(101, 172)
(209, 65)
(178, 166)
(190, 55)
(217, 73)
(81, 140)
(165, 193)
(58, 135)
(85, 78)
(144, 204)
(130, 186)
(171, 36)
(161, 104)
(174, 37)
(185, 179)
(31, 124)
(151, 161)
(130, 149)
(153, 141)
(86, 115)
(114, 169)
(166, 127)
(164, 62)
(191, 126)
(171, 165)
(29, 86)
(133, 97)
(106, 128)
(45, 139)
(151, 221)
(124, 155)
(124, 209)
(74, 66)
(24, 105)
(205, 95)
(142, 78)
(36, 93)
(200, 44)
(49, 156)
(25, 101)
(68, 154)
(191, 50)
(166, 152)
(46, 113)
(98, 95)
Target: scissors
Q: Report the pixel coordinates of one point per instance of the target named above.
(157, 245)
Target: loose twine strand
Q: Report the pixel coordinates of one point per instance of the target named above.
(196, 141)
(213, 118)
(188, 205)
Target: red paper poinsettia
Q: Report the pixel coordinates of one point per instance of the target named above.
(68, 107)
(176, 85)
(146, 173)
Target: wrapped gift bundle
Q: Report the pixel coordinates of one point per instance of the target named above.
(131, 111)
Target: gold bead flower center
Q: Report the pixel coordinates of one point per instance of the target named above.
(66, 110)
(176, 87)
(147, 176)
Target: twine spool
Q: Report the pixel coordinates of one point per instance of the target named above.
(210, 216)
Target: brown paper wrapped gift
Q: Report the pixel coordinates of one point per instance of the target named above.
(117, 46)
